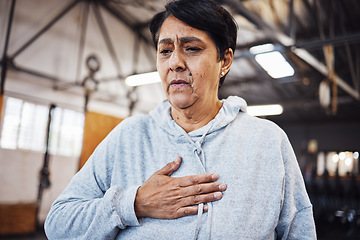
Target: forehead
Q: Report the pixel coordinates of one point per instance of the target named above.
(174, 29)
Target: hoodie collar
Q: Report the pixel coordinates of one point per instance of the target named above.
(228, 112)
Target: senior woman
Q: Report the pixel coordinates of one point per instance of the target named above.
(223, 174)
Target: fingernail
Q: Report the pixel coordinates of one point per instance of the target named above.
(222, 187)
(178, 160)
(214, 176)
(217, 195)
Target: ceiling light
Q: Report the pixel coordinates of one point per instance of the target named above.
(265, 110)
(348, 162)
(142, 79)
(335, 158)
(262, 48)
(342, 156)
(273, 62)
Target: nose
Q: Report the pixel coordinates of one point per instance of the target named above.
(176, 62)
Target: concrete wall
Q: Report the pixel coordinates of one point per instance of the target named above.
(19, 177)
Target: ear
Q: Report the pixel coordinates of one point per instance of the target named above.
(227, 61)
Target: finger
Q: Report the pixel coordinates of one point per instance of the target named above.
(202, 198)
(169, 168)
(191, 210)
(202, 189)
(186, 211)
(196, 179)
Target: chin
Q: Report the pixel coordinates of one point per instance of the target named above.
(181, 102)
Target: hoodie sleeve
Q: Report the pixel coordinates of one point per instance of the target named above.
(296, 218)
(89, 207)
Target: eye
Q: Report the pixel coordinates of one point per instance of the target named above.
(193, 49)
(165, 51)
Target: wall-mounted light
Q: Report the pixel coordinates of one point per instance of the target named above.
(265, 110)
(141, 79)
(272, 61)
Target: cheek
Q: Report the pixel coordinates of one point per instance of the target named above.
(207, 80)
(206, 70)
(199, 68)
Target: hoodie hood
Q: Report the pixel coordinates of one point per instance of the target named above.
(228, 112)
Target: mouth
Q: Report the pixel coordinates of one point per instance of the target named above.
(178, 83)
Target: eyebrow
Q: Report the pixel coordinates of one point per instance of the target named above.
(182, 40)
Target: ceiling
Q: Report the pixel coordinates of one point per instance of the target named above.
(48, 42)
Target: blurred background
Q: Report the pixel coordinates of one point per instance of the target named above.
(68, 76)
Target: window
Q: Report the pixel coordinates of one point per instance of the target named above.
(342, 163)
(25, 124)
(12, 118)
(66, 132)
(32, 128)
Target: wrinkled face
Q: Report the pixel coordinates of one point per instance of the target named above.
(188, 64)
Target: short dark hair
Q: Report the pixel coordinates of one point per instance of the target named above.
(205, 15)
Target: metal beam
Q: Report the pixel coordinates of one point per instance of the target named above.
(288, 42)
(119, 16)
(349, 39)
(134, 27)
(83, 27)
(33, 72)
(4, 61)
(59, 84)
(321, 68)
(106, 37)
(292, 26)
(45, 28)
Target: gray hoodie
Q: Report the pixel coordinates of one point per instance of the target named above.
(265, 196)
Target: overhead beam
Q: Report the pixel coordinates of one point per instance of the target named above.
(321, 68)
(33, 72)
(288, 42)
(83, 26)
(4, 61)
(106, 37)
(136, 28)
(292, 26)
(122, 19)
(7, 62)
(45, 28)
(349, 39)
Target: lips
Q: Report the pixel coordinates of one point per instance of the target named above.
(178, 83)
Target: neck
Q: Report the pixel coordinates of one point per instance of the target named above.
(192, 118)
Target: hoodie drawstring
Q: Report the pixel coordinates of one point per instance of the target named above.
(198, 150)
(199, 220)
